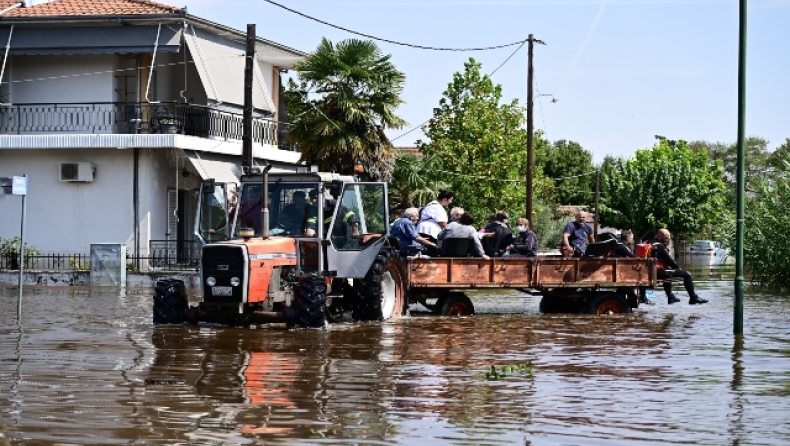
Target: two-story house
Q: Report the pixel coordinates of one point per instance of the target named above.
(116, 110)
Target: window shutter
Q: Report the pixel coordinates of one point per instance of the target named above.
(172, 214)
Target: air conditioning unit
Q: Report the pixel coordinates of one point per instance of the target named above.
(83, 172)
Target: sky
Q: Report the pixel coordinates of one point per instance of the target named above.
(622, 71)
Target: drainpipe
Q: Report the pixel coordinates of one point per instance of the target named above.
(135, 204)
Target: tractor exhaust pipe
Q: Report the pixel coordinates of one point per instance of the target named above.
(265, 202)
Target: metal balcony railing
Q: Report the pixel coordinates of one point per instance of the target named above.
(138, 118)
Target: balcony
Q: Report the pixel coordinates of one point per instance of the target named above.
(138, 118)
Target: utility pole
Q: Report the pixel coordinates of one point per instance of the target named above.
(530, 127)
(740, 183)
(246, 137)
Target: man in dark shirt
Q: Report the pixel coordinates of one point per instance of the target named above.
(576, 235)
(668, 269)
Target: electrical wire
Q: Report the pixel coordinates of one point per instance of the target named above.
(489, 75)
(394, 42)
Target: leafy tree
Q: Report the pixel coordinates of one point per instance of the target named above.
(414, 181)
(766, 227)
(571, 169)
(672, 187)
(777, 159)
(481, 144)
(757, 157)
(357, 90)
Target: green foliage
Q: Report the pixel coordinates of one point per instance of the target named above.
(357, 90)
(414, 181)
(494, 374)
(548, 227)
(9, 252)
(481, 145)
(571, 168)
(765, 231)
(670, 186)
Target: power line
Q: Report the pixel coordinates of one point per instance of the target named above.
(489, 75)
(394, 42)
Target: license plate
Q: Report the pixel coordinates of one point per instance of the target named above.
(221, 291)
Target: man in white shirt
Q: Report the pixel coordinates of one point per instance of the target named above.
(433, 218)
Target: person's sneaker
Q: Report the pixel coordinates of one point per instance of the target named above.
(672, 300)
(697, 300)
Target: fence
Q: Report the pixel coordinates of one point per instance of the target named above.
(164, 255)
(138, 118)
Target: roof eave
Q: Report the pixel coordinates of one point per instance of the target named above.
(92, 18)
(243, 35)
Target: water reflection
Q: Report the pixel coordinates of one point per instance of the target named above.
(97, 372)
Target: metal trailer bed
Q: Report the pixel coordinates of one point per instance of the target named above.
(594, 285)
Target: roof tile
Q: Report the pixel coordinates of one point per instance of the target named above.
(90, 7)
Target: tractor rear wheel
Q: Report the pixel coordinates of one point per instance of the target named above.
(170, 302)
(312, 302)
(380, 295)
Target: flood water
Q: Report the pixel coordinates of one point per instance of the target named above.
(87, 366)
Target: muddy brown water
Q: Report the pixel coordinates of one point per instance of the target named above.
(86, 366)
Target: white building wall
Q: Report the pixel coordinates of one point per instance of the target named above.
(67, 217)
(98, 87)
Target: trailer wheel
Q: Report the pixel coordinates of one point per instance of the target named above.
(380, 295)
(608, 303)
(170, 302)
(456, 304)
(312, 303)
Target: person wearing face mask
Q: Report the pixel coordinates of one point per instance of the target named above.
(666, 268)
(526, 244)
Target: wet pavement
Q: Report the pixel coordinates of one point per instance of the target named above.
(87, 366)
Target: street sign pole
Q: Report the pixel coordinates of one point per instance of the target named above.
(17, 186)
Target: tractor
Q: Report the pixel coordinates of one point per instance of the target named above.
(302, 248)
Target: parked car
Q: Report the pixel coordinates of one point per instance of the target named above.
(709, 248)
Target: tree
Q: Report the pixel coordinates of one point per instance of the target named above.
(666, 187)
(414, 182)
(481, 144)
(570, 168)
(757, 157)
(358, 90)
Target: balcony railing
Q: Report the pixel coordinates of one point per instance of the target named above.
(138, 118)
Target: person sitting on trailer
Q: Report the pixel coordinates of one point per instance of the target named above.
(526, 244)
(576, 235)
(463, 229)
(621, 249)
(405, 230)
(666, 268)
(503, 235)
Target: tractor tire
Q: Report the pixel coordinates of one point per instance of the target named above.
(455, 304)
(380, 295)
(608, 303)
(312, 303)
(170, 302)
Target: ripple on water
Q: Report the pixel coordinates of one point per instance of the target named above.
(88, 367)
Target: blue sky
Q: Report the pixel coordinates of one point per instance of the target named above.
(623, 71)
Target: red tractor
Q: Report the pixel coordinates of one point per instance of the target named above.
(301, 248)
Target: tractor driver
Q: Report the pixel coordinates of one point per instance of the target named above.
(347, 228)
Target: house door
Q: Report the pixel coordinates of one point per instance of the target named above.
(181, 245)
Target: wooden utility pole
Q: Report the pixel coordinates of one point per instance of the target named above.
(246, 135)
(530, 127)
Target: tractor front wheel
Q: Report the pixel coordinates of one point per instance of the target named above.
(380, 295)
(170, 302)
(312, 302)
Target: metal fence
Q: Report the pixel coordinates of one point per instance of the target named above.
(139, 118)
(163, 255)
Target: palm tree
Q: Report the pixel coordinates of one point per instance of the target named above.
(345, 99)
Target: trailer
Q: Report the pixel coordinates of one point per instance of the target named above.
(594, 285)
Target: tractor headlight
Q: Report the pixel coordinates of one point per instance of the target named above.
(234, 281)
(210, 281)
